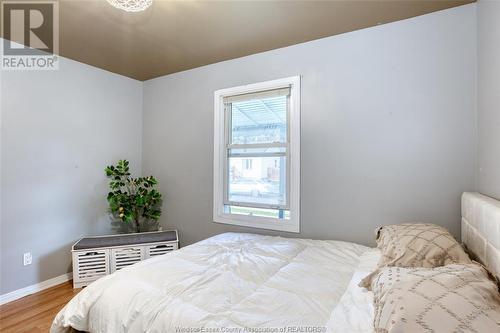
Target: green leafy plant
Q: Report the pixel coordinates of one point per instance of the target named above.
(133, 200)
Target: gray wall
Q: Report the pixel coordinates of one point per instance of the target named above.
(388, 135)
(488, 96)
(388, 128)
(59, 130)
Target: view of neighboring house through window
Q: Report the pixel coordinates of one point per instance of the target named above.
(254, 169)
(257, 150)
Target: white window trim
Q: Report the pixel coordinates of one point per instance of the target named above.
(293, 224)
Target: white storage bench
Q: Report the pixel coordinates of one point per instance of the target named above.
(94, 257)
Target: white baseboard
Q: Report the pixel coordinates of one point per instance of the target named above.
(16, 294)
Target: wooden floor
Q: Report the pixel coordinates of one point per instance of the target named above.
(34, 313)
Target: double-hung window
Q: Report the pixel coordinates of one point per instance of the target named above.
(257, 155)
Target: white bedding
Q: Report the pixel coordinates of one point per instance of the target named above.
(232, 283)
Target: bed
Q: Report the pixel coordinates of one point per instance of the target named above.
(232, 281)
(237, 282)
(481, 229)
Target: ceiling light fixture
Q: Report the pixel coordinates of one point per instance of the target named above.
(131, 5)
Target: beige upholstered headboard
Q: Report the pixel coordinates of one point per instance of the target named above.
(481, 229)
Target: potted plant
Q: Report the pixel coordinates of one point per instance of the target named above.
(134, 201)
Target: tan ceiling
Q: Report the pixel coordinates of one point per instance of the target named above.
(172, 36)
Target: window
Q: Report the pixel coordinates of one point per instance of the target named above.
(257, 155)
(247, 163)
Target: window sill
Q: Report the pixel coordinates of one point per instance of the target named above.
(258, 222)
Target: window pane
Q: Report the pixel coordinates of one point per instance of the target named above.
(260, 212)
(258, 180)
(259, 121)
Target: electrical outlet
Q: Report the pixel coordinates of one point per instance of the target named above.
(27, 259)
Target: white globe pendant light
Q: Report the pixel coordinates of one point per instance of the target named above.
(131, 5)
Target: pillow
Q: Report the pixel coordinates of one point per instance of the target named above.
(416, 245)
(453, 298)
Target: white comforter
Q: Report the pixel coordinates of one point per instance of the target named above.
(232, 283)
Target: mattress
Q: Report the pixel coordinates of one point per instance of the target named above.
(232, 283)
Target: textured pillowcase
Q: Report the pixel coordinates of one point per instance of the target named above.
(453, 298)
(416, 245)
